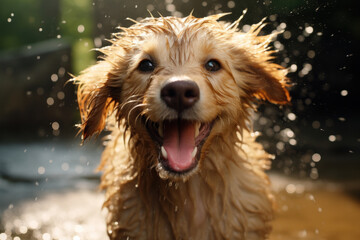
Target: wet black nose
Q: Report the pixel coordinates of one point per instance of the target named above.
(180, 95)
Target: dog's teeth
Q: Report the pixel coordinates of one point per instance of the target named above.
(160, 129)
(197, 129)
(193, 154)
(163, 152)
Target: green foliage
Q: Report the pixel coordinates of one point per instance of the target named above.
(22, 23)
(25, 22)
(77, 23)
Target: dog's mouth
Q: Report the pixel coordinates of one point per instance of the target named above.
(179, 142)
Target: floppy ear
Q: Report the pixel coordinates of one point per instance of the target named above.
(265, 81)
(94, 97)
(258, 75)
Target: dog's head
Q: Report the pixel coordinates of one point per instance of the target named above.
(175, 82)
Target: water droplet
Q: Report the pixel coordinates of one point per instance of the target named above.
(332, 138)
(293, 68)
(311, 54)
(65, 166)
(54, 77)
(290, 188)
(316, 157)
(3, 236)
(50, 101)
(97, 42)
(316, 124)
(292, 142)
(231, 4)
(162, 173)
(344, 93)
(278, 45)
(41, 170)
(280, 146)
(300, 38)
(287, 34)
(282, 25)
(314, 173)
(60, 95)
(55, 126)
(288, 133)
(291, 116)
(309, 30)
(150, 7)
(46, 236)
(23, 229)
(273, 17)
(170, 8)
(81, 28)
(246, 28)
(311, 197)
(302, 234)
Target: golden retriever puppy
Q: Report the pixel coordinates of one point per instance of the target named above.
(181, 161)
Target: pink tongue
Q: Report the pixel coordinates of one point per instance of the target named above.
(179, 143)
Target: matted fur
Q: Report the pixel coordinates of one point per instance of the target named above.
(228, 195)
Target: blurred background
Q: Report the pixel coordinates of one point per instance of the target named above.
(48, 183)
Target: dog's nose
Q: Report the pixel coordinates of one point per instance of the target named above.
(180, 95)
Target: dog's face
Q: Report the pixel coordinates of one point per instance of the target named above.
(176, 83)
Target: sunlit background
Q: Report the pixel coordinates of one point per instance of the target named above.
(48, 186)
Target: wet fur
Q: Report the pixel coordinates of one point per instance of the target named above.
(228, 196)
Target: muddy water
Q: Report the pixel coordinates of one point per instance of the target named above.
(317, 214)
(305, 210)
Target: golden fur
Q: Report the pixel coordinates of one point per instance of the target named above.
(227, 195)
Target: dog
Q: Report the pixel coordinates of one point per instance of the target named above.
(181, 161)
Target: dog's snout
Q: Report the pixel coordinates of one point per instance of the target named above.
(180, 95)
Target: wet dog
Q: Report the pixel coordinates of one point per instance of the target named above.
(181, 161)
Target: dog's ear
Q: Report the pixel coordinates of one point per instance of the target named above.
(94, 98)
(264, 80)
(259, 76)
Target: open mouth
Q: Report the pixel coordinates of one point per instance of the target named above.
(180, 142)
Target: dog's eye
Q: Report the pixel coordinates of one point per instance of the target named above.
(146, 65)
(212, 65)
